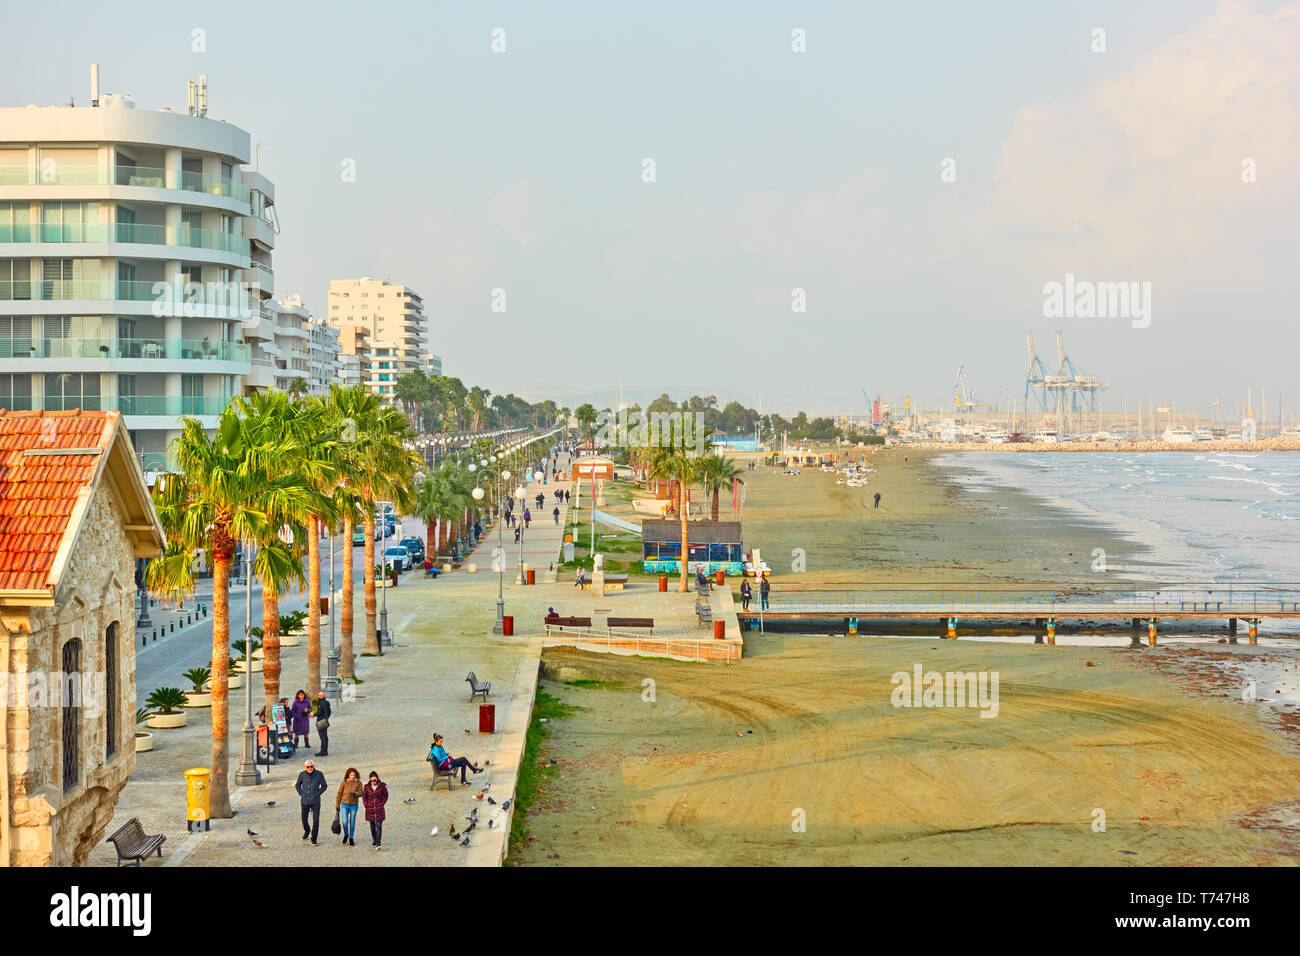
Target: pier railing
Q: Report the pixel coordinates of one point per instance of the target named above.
(1043, 600)
(640, 643)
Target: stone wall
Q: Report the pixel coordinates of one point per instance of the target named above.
(51, 826)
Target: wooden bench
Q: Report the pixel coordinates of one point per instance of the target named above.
(440, 774)
(704, 612)
(613, 582)
(643, 622)
(132, 843)
(567, 622)
(478, 687)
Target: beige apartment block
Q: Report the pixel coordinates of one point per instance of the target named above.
(396, 328)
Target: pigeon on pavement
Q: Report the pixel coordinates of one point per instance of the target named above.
(465, 842)
(506, 805)
(250, 832)
(491, 801)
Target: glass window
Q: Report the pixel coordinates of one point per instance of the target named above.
(70, 693)
(16, 392)
(110, 691)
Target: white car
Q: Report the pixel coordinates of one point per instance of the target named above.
(398, 557)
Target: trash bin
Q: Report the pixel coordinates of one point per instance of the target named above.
(720, 630)
(197, 807)
(663, 583)
(720, 576)
(507, 625)
(487, 718)
(532, 576)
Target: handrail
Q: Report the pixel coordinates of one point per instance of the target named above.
(640, 642)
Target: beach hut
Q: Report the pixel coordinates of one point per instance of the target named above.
(714, 545)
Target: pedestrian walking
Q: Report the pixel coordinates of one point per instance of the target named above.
(764, 589)
(516, 535)
(556, 514)
(310, 785)
(323, 711)
(582, 577)
(528, 517)
(877, 499)
(566, 497)
(373, 797)
(345, 804)
(300, 712)
(746, 593)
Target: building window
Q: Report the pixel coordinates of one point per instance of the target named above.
(70, 691)
(65, 391)
(110, 691)
(16, 392)
(15, 338)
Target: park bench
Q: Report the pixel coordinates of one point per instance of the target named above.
(440, 774)
(613, 582)
(641, 622)
(703, 612)
(567, 622)
(477, 687)
(132, 843)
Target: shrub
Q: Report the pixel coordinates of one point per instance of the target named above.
(198, 676)
(167, 700)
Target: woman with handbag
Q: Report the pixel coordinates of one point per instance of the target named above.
(374, 795)
(345, 805)
(300, 719)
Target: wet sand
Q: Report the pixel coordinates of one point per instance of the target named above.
(1185, 772)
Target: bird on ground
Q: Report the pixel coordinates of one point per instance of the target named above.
(453, 834)
(492, 824)
(478, 796)
(270, 803)
(486, 788)
(409, 800)
(433, 832)
(470, 828)
(259, 844)
(506, 805)
(465, 842)
(473, 815)
(491, 801)
(250, 832)
(467, 730)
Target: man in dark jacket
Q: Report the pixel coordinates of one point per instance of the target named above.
(764, 590)
(323, 724)
(310, 785)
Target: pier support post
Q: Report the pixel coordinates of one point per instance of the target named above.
(1151, 632)
(853, 627)
(952, 629)
(1232, 625)
(1254, 630)
(1051, 631)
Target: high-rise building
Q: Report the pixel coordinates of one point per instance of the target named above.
(396, 340)
(135, 263)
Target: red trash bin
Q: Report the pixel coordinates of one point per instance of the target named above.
(507, 625)
(663, 583)
(532, 576)
(720, 576)
(487, 718)
(720, 630)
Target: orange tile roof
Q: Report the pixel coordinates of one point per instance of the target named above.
(38, 492)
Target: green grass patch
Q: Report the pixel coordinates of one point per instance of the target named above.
(532, 773)
(594, 684)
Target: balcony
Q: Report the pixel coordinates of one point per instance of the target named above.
(168, 298)
(170, 406)
(148, 177)
(128, 232)
(184, 350)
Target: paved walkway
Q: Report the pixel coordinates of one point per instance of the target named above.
(542, 539)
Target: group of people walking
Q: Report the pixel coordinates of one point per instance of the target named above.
(352, 795)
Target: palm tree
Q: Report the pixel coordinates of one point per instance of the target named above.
(676, 463)
(297, 389)
(716, 472)
(443, 496)
(344, 408)
(217, 497)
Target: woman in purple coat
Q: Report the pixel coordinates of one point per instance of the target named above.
(300, 718)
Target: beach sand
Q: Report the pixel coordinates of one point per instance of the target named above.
(717, 768)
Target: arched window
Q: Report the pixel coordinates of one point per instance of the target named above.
(110, 691)
(70, 693)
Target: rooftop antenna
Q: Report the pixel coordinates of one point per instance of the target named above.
(203, 94)
(94, 84)
(193, 96)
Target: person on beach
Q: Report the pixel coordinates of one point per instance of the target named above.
(556, 515)
(444, 761)
(746, 593)
(345, 804)
(877, 499)
(310, 785)
(373, 796)
(323, 724)
(764, 589)
(300, 712)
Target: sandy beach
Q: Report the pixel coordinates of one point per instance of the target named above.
(726, 759)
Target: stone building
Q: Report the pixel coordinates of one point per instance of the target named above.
(74, 517)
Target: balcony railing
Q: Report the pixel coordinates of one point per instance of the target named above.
(138, 348)
(172, 296)
(150, 177)
(173, 406)
(127, 232)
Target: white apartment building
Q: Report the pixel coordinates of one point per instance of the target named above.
(135, 263)
(396, 340)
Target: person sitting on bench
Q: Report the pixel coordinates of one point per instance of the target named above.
(551, 616)
(444, 761)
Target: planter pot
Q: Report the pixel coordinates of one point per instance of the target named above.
(239, 667)
(258, 654)
(233, 681)
(292, 639)
(143, 742)
(198, 700)
(165, 721)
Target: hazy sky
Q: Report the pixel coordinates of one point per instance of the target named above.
(775, 170)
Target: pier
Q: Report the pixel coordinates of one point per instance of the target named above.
(1143, 604)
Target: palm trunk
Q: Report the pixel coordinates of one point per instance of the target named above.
(313, 605)
(346, 668)
(716, 489)
(372, 636)
(219, 785)
(270, 648)
(681, 499)
(431, 545)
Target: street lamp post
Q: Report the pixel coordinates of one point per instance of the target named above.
(248, 775)
(383, 567)
(520, 494)
(332, 677)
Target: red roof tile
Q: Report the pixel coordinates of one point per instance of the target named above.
(38, 492)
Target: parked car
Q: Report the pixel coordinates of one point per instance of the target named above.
(398, 557)
(416, 547)
(359, 535)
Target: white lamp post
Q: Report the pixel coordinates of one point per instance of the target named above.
(520, 494)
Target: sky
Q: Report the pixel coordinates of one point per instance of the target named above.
(921, 171)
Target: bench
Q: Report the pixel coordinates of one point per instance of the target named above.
(567, 622)
(613, 582)
(440, 774)
(704, 612)
(644, 622)
(478, 687)
(132, 843)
